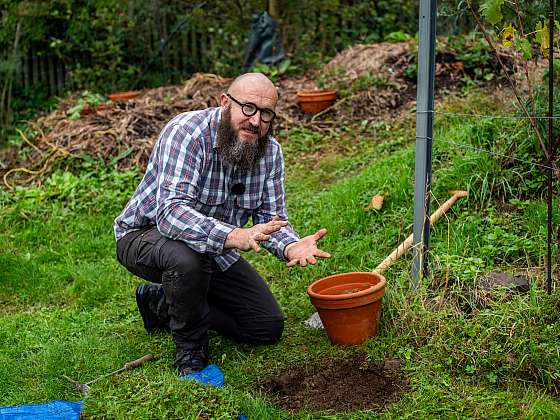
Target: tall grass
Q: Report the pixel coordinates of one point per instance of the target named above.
(68, 307)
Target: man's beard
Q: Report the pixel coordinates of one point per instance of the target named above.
(242, 154)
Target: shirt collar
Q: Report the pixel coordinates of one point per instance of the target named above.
(215, 119)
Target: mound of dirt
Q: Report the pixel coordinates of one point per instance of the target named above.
(127, 129)
(339, 385)
(124, 133)
(386, 59)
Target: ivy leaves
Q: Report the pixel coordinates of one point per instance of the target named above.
(542, 36)
(510, 36)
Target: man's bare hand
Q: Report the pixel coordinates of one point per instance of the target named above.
(246, 239)
(305, 250)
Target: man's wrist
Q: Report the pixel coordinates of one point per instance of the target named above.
(287, 249)
(231, 238)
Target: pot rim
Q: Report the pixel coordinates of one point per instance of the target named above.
(311, 92)
(370, 290)
(125, 94)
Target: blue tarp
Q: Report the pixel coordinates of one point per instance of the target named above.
(66, 410)
(58, 409)
(210, 375)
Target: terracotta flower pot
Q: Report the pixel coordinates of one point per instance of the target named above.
(349, 305)
(123, 96)
(316, 100)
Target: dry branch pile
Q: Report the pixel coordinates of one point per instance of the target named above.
(386, 59)
(129, 129)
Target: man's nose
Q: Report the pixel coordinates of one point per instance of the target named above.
(256, 118)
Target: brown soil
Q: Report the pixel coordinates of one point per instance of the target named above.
(338, 385)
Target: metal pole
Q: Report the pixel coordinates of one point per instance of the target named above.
(550, 147)
(424, 128)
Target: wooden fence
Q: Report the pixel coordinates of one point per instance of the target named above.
(47, 71)
(167, 51)
(183, 55)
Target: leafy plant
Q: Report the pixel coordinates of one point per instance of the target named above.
(398, 36)
(274, 72)
(368, 80)
(511, 27)
(87, 99)
(411, 71)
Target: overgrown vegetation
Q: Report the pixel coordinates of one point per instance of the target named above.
(110, 45)
(68, 307)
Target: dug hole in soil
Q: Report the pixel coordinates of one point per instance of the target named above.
(338, 385)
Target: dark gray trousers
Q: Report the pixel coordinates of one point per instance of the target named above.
(197, 295)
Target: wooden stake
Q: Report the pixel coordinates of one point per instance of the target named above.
(406, 244)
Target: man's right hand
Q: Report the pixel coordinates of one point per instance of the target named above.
(246, 239)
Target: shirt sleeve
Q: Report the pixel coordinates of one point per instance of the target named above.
(180, 159)
(274, 203)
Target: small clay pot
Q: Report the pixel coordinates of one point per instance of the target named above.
(314, 101)
(123, 96)
(349, 305)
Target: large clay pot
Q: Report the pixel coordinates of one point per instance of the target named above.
(349, 305)
(316, 100)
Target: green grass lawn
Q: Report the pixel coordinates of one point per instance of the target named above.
(68, 308)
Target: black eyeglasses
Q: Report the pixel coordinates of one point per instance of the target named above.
(249, 109)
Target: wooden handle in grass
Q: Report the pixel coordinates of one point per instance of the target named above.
(406, 244)
(138, 362)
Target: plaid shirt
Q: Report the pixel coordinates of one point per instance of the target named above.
(186, 191)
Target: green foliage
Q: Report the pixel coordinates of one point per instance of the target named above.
(94, 184)
(367, 81)
(107, 45)
(525, 15)
(411, 71)
(474, 53)
(27, 102)
(69, 308)
(87, 99)
(524, 46)
(492, 10)
(398, 36)
(274, 72)
(556, 64)
(500, 160)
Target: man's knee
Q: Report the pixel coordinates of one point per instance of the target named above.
(274, 330)
(180, 260)
(264, 331)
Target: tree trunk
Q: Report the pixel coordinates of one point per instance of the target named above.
(6, 96)
(275, 9)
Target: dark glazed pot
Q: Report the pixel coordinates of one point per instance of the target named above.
(349, 305)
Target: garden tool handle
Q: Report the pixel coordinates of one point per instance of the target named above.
(138, 362)
(407, 243)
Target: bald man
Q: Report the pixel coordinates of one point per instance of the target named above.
(182, 230)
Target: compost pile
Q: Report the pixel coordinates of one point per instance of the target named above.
(371, 81)
(340, 385)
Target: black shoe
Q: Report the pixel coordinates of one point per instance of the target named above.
(189, 360)
(151, 322)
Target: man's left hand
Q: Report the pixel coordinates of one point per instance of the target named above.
(305, 250)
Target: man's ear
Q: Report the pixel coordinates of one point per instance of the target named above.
(223, 100)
